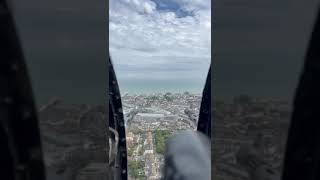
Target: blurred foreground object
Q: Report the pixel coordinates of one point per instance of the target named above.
(188, 157)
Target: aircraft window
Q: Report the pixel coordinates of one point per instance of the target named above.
(259, 51)
(65, 53)
(161, 52)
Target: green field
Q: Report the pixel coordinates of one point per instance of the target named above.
(160, 137)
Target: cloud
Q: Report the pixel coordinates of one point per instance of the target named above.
(160, 35)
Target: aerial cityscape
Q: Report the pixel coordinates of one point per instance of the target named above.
(74, 145)
(249, 133)
(256, 125)
(73, 140)
(150, 121)
(73, 134)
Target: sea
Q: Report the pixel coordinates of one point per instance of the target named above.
(160, 86)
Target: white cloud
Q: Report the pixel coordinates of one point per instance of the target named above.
(141, 35)
(148, 7)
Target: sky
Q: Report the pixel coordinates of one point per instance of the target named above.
(160, 44)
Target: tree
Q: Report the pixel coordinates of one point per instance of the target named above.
(130, 151)
(161, 136)
(136, 169)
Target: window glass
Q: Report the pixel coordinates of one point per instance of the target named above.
(161, 51)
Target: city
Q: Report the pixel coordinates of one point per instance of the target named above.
(150, 121)
(237, 124)
(259, 125)
(73, 134)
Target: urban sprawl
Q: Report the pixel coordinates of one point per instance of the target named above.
(150, 120)
(73, 137)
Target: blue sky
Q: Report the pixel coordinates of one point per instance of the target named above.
(159, 40)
